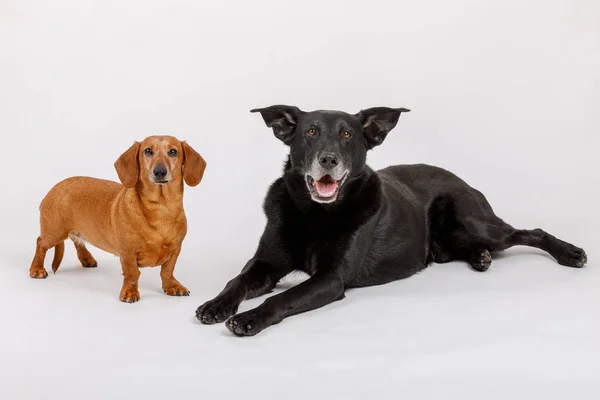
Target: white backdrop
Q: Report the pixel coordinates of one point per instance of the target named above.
(504, 93)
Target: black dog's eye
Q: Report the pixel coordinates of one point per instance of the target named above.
(311, 132)
(148, 151)
(345, 134)
(172, 153)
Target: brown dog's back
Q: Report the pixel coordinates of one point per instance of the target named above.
(80, 207)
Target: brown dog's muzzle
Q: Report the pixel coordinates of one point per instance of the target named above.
(159, 173)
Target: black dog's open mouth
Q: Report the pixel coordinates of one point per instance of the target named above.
(324, 190)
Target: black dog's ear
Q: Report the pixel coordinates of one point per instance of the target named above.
(283, 120)
(377, 122)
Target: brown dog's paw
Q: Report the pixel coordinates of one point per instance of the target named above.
(176, 290)
(39, 273)
(89, 264)
(129, 295)
(86, 259)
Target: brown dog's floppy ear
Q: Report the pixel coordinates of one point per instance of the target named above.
(128, 167)
(193, 165)
(282, 119)
(377, 122)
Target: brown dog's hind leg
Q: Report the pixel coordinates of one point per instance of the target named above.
(170, 285)
(44, 243)
(37, 270)
(85, 257)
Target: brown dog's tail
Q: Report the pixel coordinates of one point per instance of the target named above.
(59, 251)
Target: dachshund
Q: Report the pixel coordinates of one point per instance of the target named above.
(141, 220)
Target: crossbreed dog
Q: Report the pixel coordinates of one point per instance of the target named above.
(347, 226)
(142, 220)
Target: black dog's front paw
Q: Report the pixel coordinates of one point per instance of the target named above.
(572, 256)
(248, 323)
(215, 311)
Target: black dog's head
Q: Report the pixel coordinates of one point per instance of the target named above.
(328, 147)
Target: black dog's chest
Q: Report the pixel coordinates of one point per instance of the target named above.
(318, 257)
(311, 261)
(310, 265)
(319, 238)
(315, 245)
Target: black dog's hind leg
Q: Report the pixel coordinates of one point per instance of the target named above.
(475, 248)
(465, 227)
(480, 260)
(315, 292)
(475, 242)
(564, 253)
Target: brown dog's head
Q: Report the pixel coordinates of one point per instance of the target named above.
(160, 160)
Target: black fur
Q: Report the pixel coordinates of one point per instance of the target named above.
(382, 226)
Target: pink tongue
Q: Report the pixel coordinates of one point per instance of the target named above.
(326, 189)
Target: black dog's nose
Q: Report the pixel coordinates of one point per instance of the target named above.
(328, 160)
(160, 171)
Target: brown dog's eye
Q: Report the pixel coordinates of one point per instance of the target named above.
(148, 151)
(311, 132)
(346, 134)
(172, 153)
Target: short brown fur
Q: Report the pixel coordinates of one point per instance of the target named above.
(141, 221)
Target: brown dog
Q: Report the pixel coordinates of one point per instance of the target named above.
(142, 220)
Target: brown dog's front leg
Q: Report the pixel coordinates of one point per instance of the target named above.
(131, 275)
(170, 285)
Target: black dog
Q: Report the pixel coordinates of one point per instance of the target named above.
(347, 226)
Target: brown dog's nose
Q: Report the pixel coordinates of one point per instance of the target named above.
(160, 171)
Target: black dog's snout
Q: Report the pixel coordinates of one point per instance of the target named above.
(328, 160)
(160, 171)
